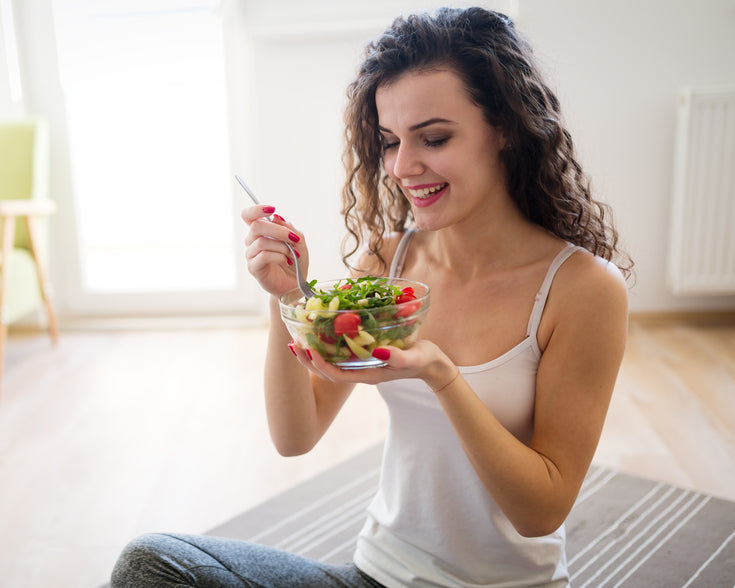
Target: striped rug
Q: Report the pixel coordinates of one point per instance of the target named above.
(623, 531)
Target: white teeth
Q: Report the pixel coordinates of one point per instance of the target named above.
(424, 192)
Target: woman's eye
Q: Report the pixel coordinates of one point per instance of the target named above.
(429, 142)
(436, 142)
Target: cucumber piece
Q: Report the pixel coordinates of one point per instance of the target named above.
(356, 349)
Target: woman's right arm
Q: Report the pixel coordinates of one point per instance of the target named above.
(300, 406)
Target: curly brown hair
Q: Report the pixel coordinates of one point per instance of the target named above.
(499, 71)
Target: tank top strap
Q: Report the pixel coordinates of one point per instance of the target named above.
(543, 293)
(396, 266)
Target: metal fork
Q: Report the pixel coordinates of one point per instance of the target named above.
(301, 279)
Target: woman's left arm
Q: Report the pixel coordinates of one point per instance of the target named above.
(536, 485)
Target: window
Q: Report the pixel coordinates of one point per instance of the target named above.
(144, 89)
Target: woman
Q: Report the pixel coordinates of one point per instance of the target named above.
(497, 410)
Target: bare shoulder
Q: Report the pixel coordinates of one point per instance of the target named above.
(585, 269)
(588, 293)
(368, 264)
(585, 279)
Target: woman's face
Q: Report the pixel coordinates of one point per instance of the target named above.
(439, 148)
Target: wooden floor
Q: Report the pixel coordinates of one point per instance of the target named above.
(112, 433)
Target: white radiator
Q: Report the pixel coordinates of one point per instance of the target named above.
(702, 239)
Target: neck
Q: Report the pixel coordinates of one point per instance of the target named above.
(474, 245)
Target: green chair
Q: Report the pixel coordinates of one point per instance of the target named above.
(24, 201)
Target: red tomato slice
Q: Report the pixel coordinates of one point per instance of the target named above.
(346, 324)
(407, 309)
(406, 297)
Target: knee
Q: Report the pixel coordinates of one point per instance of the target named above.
(140, 562)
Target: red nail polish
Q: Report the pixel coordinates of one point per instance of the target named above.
(290, 346)
(269, 209)
(279, 217)
(308, 354)
(288, 261)
(381, 353)
(294, 237)
(297, 253)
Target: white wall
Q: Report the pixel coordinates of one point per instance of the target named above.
(616, 67)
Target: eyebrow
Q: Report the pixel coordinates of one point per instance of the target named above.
(420, 125)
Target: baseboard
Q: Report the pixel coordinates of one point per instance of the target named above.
(143, 323)
(699, 318)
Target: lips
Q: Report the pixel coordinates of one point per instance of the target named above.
(426, 194)
(426, 190)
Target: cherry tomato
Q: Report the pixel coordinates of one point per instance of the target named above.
(405, 297)
(408, 308)
(346, 324)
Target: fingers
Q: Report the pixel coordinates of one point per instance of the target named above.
(263, 212)
(268, 258)
(312, 361)
(253, 213)
(381, 353)
(265, 250)
(316, 364)
(424, 360)
(262, 264)
(278, 228)
(265, 235)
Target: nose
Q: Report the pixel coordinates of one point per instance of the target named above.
(407, 162)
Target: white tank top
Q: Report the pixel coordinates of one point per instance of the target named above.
(432, 522)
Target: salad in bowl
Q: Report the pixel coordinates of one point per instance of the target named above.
(346, 319)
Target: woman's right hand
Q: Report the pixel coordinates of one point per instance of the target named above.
(268, 258)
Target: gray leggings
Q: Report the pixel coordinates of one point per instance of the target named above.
(166, 560)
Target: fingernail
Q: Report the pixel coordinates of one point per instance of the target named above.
(269, 209)
(290, 346)
(308, 354)
(297, 253)
(381, 353)
(288, 261)
(279, 217)
(294, 237)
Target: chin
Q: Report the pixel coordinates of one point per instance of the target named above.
(430, 224)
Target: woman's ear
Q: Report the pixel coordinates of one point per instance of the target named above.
(504, 142)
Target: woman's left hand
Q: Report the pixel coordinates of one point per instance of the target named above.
(424, 360)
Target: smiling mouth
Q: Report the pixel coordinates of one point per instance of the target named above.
(423, 193)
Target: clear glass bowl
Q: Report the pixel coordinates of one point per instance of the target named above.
(395, 324)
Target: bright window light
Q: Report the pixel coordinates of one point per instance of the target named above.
(144, 90)
(11, 50)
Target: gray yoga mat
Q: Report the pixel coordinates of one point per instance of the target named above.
(623, 531)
